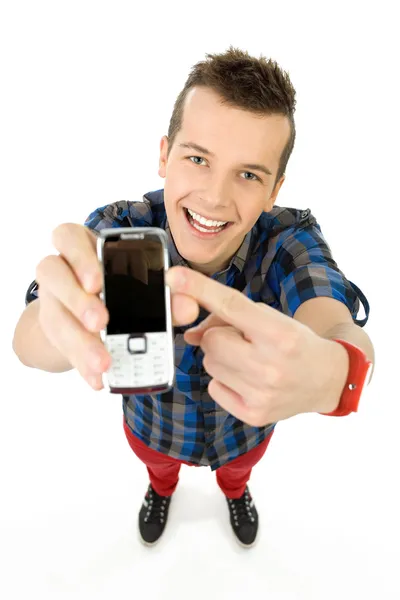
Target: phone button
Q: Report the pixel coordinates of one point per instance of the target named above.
(137, 344)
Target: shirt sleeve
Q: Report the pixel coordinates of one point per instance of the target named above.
(118, 214)
(306, 269)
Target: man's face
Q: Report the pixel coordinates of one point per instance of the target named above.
(216, 186)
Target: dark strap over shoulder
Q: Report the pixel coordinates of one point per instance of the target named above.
(365, 303)
(30, 295)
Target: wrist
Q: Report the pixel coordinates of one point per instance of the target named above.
(339, 362)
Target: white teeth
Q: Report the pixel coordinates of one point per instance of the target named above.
(205, 221)
(200, 228)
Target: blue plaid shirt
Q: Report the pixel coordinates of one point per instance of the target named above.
(283, 261)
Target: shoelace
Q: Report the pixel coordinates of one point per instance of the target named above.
(156, 507)
(241, 509)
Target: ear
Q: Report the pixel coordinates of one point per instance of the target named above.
(162, 165)
(271, 200)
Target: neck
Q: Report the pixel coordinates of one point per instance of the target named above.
(210, 268)
(216, 266)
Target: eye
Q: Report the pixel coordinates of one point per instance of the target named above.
(199, 157)
(255, 178)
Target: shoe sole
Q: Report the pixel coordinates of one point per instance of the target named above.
(148, 544)
(151, 544)
(244, 545)
(241, 543)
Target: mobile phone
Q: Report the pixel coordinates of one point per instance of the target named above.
(139, 333)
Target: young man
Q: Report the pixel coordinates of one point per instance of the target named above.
(231, 134)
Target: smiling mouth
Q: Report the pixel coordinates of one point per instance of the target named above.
(205, 227)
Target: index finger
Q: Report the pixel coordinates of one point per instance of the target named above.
(227, 303)
(77, 245)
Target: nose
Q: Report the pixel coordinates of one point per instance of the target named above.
(217, 193)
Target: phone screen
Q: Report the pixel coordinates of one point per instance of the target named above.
(134, 285)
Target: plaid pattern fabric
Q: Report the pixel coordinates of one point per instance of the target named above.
(283, 261)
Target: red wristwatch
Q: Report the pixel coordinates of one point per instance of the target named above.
(360, 369)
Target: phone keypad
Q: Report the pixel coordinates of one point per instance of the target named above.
(137, 370)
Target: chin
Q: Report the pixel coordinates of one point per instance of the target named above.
(198, 258)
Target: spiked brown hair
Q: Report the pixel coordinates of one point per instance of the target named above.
(242, 81)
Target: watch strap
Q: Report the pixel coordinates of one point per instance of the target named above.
(359, 370)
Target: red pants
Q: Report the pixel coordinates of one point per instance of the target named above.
(164, 470)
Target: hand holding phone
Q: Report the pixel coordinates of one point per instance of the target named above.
(71, 314)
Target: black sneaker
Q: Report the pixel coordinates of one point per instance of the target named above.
(244, 519)
(153, 516)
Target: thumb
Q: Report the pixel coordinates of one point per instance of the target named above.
(193, 336)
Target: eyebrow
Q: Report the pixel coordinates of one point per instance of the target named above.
(253, 166)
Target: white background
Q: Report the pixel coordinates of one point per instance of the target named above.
(87, 90)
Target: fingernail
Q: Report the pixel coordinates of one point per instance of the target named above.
(87, 281)
(175, 278)
(91, 318)
(95, 382)
(96, 360)
(90, 281)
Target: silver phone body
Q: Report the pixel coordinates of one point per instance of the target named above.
(139, 333)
